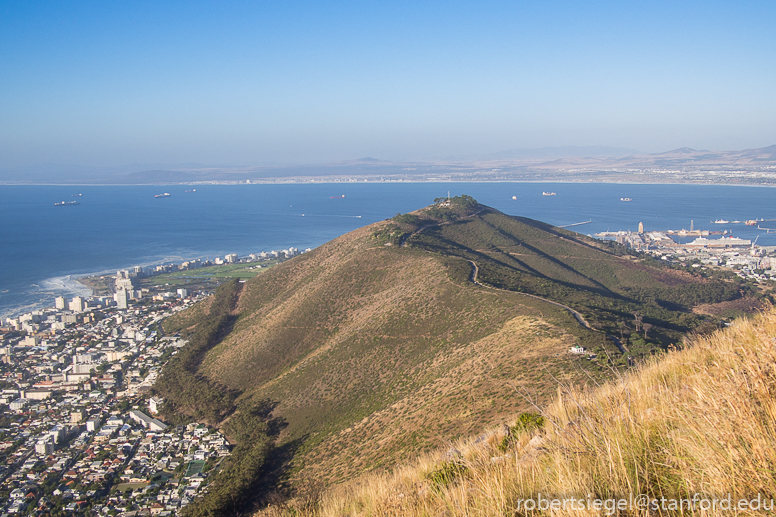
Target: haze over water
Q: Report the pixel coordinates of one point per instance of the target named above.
(41, 245)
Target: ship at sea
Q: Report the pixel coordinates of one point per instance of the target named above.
(721, 221)
(337, 197)
(188, 191)
(163, 195)
(549, 194)
(625, 199)
(67, 203)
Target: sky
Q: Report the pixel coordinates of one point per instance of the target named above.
(282, 82)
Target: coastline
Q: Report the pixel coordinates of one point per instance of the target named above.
(50, 252)
(47, 290)
(361, 180)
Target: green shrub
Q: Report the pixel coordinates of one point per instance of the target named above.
(447, 473)
(526, 423)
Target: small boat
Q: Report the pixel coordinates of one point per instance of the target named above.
(514, 198)
(188, 191)
(77, 195)
(337, 197)
(721, 221)
(166, 194)
(736, 222)
(751, 222)
(67, 203)
(549, 194)
(625, 199)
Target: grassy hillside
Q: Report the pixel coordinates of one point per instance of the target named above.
(610, 287)
(688, 425)
(361, 353)
(378, 345)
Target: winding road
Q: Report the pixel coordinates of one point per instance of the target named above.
(475, 271)
(580, 319)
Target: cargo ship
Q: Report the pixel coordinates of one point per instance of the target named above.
(549, 194)
(163, 195)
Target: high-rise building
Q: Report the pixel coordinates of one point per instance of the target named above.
(641, 227)
(124, 283)
(44, 447)
(76, 304)
(60, 303)
(122, 298)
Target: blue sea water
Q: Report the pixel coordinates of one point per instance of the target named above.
(43, 248)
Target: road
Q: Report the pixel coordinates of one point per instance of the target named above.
(580, 319)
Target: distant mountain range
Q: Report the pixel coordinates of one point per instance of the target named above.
(553, 153)
(515, 164)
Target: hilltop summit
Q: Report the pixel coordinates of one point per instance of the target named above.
(402, 335)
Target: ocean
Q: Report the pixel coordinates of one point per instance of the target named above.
(44, 248)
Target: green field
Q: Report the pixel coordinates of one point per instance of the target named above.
(203, 278)
(208, 275)
(194, 468)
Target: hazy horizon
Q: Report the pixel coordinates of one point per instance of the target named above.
(98, 85)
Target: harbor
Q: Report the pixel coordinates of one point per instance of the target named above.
(750, 261)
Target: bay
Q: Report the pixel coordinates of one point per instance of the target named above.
(43, 247)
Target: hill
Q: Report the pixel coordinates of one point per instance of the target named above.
(401, 336)
(684, 429)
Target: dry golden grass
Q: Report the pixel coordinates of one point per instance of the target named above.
(697, 421)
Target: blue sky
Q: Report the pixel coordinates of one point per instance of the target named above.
(250, 83)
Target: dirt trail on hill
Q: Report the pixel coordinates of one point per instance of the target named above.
(580, 319)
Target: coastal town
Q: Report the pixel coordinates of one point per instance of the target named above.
(707, 249)
(79, 433)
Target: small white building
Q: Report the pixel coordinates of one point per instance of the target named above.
(154, 403)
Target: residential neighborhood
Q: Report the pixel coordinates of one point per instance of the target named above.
(79, 433)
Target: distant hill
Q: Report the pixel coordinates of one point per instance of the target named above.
(403, 335)
(570, 151)
(568, 163)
